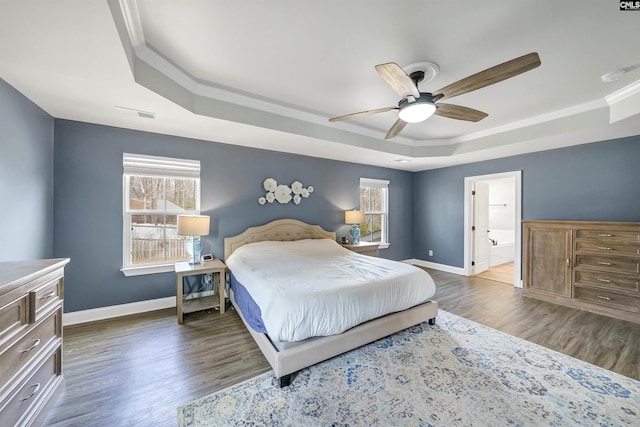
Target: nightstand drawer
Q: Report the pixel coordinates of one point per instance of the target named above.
(608, 280)
(607, 298)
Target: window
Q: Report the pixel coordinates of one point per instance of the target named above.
(374, 201)
(156, 191)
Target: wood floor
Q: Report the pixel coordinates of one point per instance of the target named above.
(135, 371)
(500, 273)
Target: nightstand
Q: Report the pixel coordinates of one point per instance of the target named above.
(364, 248)
(190, 303)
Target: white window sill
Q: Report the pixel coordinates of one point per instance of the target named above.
(384, 245)
(147, 269)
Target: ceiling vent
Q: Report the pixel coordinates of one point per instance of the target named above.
(134, 112)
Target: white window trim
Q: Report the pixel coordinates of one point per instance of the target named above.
(166, 167)
(147, 269)
(380, 183)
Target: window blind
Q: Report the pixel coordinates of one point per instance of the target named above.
(374, 183)
(143, 165)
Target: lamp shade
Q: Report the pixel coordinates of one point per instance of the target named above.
(193, 225)
(353, 217)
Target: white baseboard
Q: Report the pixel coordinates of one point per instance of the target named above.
(436, 266)
(110, 312)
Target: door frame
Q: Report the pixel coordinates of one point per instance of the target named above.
(468, 219)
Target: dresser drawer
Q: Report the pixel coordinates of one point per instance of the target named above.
(608, 263)
(27, 348)
(608, 280)
(42, 298)
(14, 318)
(21, 405)
(621, 236)
(607, 298)
(609, 248)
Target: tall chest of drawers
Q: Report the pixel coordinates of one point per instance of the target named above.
(31, 298)
(599, 264)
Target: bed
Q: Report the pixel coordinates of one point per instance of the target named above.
(288, 350)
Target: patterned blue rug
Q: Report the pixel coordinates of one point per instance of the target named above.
(456, 373)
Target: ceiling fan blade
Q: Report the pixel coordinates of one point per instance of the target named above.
(459, 112)
(398, 79)
(491, 75)
(362, 113)
(396, 128)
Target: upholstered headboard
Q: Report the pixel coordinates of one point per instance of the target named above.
(278, 230)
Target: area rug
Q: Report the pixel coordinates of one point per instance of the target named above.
(454, 373)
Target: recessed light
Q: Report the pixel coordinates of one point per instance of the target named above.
(402, 160)
(612, 76)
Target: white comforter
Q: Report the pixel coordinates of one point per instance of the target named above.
(316, 287)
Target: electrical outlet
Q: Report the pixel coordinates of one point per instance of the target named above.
(430, 252)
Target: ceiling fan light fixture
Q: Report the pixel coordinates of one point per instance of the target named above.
(417, 112)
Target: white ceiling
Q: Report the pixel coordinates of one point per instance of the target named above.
(269, 74)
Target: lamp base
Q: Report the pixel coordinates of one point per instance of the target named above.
(355, 234)
(194, 248)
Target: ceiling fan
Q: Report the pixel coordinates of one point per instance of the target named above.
(416, 106)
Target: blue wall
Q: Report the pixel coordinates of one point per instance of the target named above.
(81, 217)
(88, 203)
(598, 182)
(26, 178)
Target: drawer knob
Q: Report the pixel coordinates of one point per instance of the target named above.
(36, 388)
(603, 263)
(604, 248)
(34, 345)
(604, 280)
(49, 295)
(605, 297)
(605, 235)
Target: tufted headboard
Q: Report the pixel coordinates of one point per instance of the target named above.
(278, 230)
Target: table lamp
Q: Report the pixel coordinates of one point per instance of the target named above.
(355, 218)
(194, 226)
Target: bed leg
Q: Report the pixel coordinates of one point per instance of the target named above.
(432, 321)
(285, 381)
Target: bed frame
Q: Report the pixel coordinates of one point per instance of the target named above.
(287, 362)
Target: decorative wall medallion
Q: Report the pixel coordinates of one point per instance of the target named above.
(296, 187)
(270, 184)
(270, 197)
(284, 193)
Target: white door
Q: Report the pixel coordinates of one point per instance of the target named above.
(480, 259)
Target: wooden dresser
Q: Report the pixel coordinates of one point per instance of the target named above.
(31, 296)
(593, 266)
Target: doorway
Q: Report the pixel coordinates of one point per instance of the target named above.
(492, 205)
